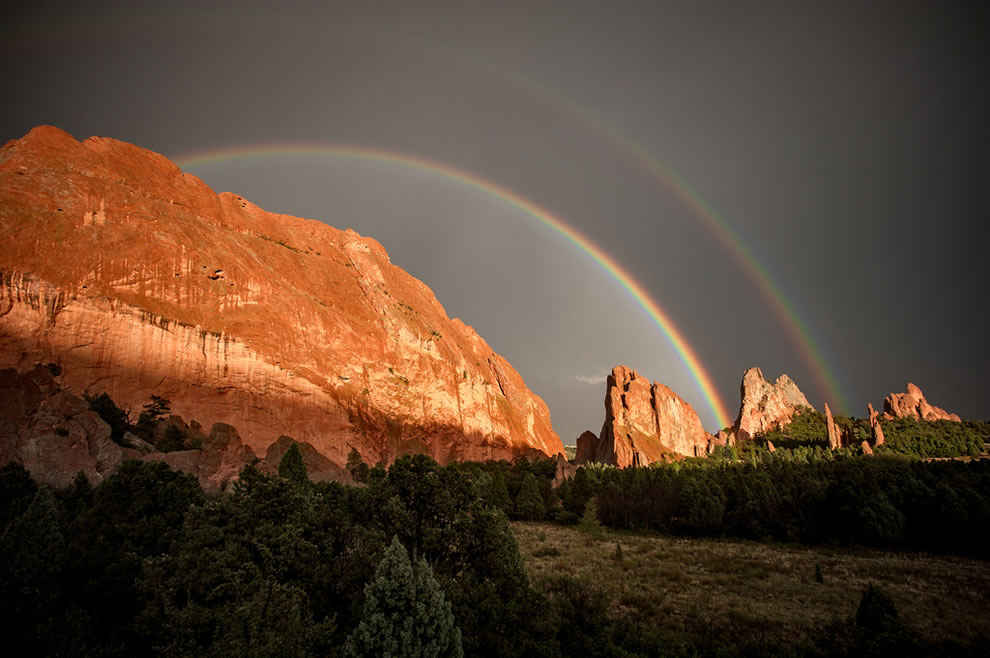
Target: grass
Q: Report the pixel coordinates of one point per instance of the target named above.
(688, 585)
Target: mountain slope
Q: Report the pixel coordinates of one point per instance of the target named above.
(137, 279)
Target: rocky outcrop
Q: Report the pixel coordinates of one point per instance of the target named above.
(764, 406)
(876, 429)
(587, 448)
(865, 447)
(563, 470)
(138, 279)
(645, 423)
(912, 404)
(834, 433)
(318, 467)
(53, 433)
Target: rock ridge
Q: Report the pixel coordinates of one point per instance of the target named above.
(138, 279)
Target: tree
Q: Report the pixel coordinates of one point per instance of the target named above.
(151, 413)
(356, 466)
(292, 467)
(529, 502)
(33, 549)
(405, 612)
(118, 419)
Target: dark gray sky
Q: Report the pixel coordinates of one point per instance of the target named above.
(844, 143)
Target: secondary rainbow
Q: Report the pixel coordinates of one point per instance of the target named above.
(626, 280)
(797, 330)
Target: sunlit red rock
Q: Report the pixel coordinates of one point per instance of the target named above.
(764, 406)
(833, 430)
(876, 429)
(912, 404)
(138, 279)
(646, 423)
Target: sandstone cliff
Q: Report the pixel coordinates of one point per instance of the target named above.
(765, 406)
(138, 279)
(645, 423)
(912, 404)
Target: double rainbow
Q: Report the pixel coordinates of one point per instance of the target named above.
(731, 241)
(507, 196)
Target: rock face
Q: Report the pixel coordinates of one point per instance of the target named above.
(54, 435)
(138, 279)
(875, 427)
(645, 423)
(765, 406)
(52, 432)
(834, 433)
(318, 467)
(587, 448)
(912, 404)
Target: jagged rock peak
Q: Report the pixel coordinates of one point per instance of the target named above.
(912, 404)
(139, 279)
(645, 423)
(764, 406)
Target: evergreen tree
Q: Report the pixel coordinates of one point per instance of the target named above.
(405, 612)
(529, 502)
(356, 466)
(292, 467)
(155, 410)
(33, 549)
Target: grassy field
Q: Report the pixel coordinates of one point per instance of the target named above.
(768, 591)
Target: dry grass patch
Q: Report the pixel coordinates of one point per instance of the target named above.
(690, 583)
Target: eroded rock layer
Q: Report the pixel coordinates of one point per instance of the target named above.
(138, 279)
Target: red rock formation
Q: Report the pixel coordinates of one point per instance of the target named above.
(563, 470)
(765, 406)
(646, 423)
(587, 448)
(867, 450)
(834, 433)
(139, 280)
(51, 432)
(875, 427)
(54, 435)
(318, 467)
(912, 404)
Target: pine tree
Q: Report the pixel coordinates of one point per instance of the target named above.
(292, 467)
(529, 502)
(405, 612)
(356, 466)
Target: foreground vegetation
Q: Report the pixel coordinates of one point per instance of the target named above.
(710, 594)
(147, 564)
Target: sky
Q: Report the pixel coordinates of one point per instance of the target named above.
(796, 186)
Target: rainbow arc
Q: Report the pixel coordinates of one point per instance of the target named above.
(642, 297)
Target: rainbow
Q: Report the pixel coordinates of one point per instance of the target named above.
(730, 240)
(626, 280)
